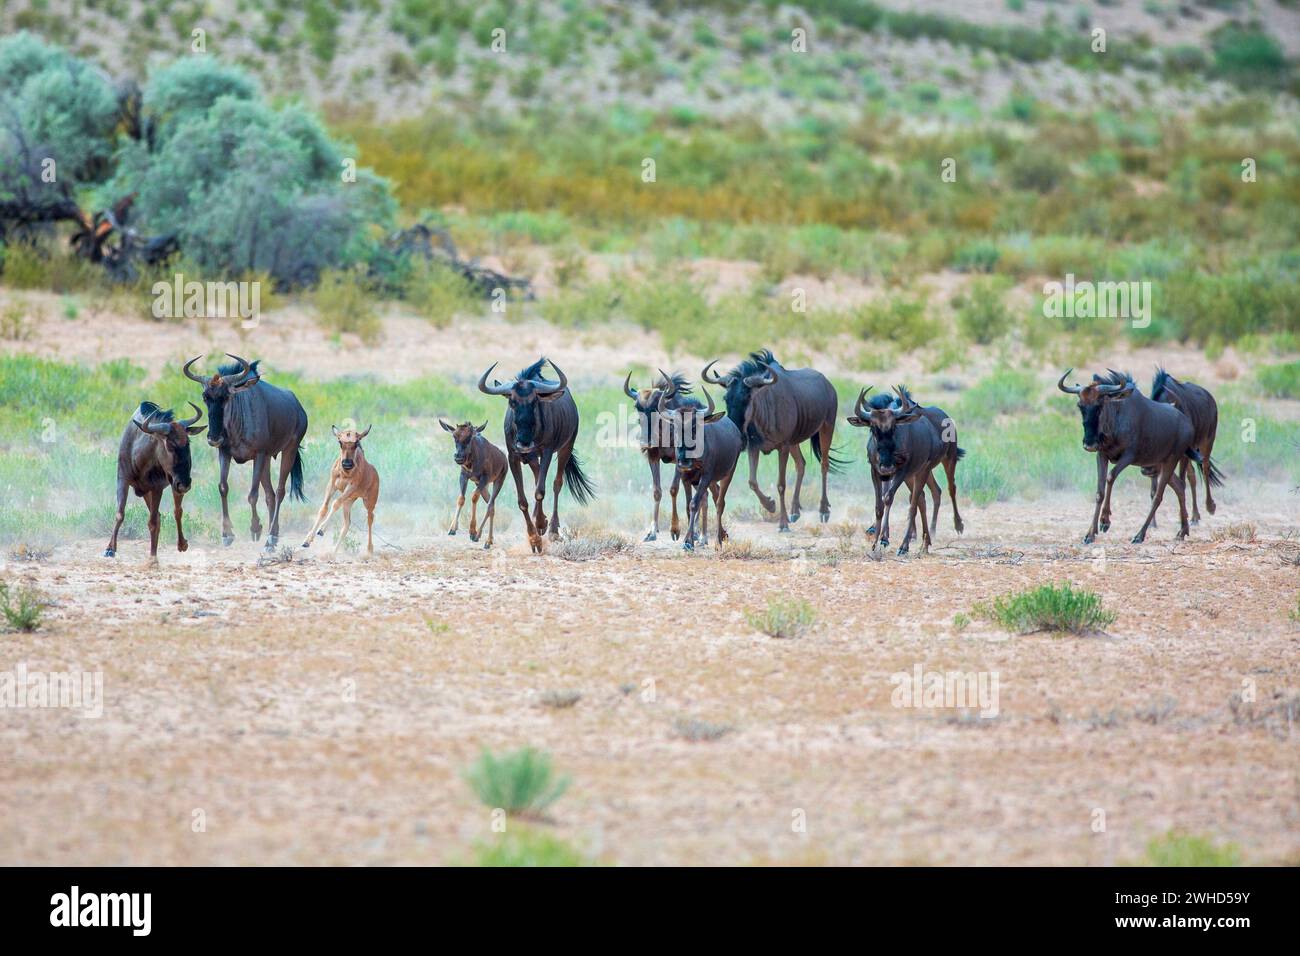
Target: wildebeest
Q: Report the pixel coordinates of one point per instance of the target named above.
(952, 454)
(352, 477)
(657, 446)
(1199, 405)
(541, 422)
(483, 463)
(707, 448)
(778, 408)
(907, 446)
(154, 453)
(252, 420)
(1124, 428)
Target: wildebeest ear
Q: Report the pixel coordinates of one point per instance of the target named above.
(246, 384)
(553, 396)
(715, 417)
(857, 422)
(445, 426)
(481, 427)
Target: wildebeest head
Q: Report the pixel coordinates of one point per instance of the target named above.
(645, 401)
(349, 444)
(742, 382)
(228, 380)
(686, 421)
(1093, 397)
(525, 394)
(171, 439)
(883, 418)
(463, 436)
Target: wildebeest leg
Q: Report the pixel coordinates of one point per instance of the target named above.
(693, 509)
(1105, 508)
(460, 501)
(783, 520)
(1091, 534)
(491, 514)
(473, 511)
(122, 489)
(153, 499)
(318, 526)
(767, 503)
(181, 543)
(346, 502)
(1187, 472)
(675, 529)
(1206, 450)
(1166, 472)
(271, 503)
(950, 469)
(561, 462)
(653, 459)
(824, 437)
(534, 540)
(1105, 521)
(260, 464)
(1180, 488)
(800, 465)
(720, 504)
(916, 499)
(880, 507)
(540, 471)
(288, 458)
(882, 513)
(702, 526)
(925, 528)
(936, 495)
(371, 500)
(223, 486)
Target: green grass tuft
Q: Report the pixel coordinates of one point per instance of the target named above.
(526, 847)
(1184, 849)
(1048, 607)
(521, 782)
(22, 607)
(783, 617)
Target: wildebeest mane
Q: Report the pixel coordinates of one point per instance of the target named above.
(755, 363)
(159, 415)
(234, 368)
(534, 372)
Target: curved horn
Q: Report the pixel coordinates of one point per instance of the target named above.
(668, 386)
(759, 379)
(494, 388)
(709, 413)
(716, 379)
(242, 374)
(366, 432)
(628, 390)
(546, 389)
(190, 421)
(666, 393)
(1062, 386)
(149, 426)
(191, 375)
(860, 406)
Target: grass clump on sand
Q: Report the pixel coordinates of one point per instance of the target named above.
(22, 607)
(521, 782)
(1185, 849)
(783, 617)
(526, 847)
(1048, 607)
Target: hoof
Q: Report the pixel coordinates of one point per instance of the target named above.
(871, 530)
(1210, 507)
(1089, 538)
(320, 533)
(487, 546)
(959, 526)
(272, 541)
(902, 550)
(688, 546)
(474, 538)
(227, 540)
(785, 529)
(307, 543)
(1180, 536)
(182, 546)
(825, 517)
(1138, 539)
(652, 536)
(452, 531)
(1195, 522)
(675, 534)
(794, 516)
(1104, 526)
(110, 553)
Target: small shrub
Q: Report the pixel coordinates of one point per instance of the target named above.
(438, 293)
(1048, 608)
(560, 699)
(981, 315)
(696, 730)
(783, 617)
(22, 607)
(1280, 381)
(1185, 849)
(521, 782)
(525, 847)
(345, 303)
(590, 544)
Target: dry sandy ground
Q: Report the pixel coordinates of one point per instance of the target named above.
(321, 711)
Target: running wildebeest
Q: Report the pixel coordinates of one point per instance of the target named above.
(483, 463)
(657, 446)
(779, 408)
(352, 477)
(707, 449)
(541, 422)
(252, 420)
(908, 447)
(154, 453)
(1124, 427)
(952, 454)
(1199, 405)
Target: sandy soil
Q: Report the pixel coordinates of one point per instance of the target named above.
(321, 711)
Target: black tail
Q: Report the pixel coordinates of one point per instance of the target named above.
(834, 465)
(961, 453)
(295, 477)
(580, 485)
(1208, 467)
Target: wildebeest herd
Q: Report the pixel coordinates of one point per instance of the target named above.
(767, 408)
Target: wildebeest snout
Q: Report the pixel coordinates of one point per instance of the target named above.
(348, 463)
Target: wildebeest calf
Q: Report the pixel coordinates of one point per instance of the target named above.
(708, 445)
(483, 463)
(154, 453)
(352, 477)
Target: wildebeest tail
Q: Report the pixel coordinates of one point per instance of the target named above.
(295, 478)
(834, 463)
(580, 485)
(1212, 473)
(961, 453)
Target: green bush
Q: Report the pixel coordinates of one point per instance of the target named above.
(21, 607)
(521, 782)
(345, 302)
(1183, 849)
(439, 294)
(902, 320)
(783, 617)
(1247, 54)
(527, 847)
(1280, 381)
(1047, 608)
(981, 315)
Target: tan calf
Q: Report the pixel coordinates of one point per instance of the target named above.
(352, 477)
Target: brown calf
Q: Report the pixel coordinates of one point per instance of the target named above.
(352, 477)
(483, 463)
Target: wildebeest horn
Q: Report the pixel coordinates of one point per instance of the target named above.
(709, 413)
(243, 373)
(667, 391)
(1062, 386)
(667, 384)
(494, 388)
(627, 387)
(716, 379)
(365, 433)
(152, 427)
(190, 421)
(546, 388)
(860, 406)
(765, 377)
(191, 375)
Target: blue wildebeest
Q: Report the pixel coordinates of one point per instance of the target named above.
(656, 445)
(776, 408)
(541, 422)
(154, 453)
(908, 446)
(483, 463)
(707, 448)
(252, 420)
(1199, 405)
(1124, 427)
